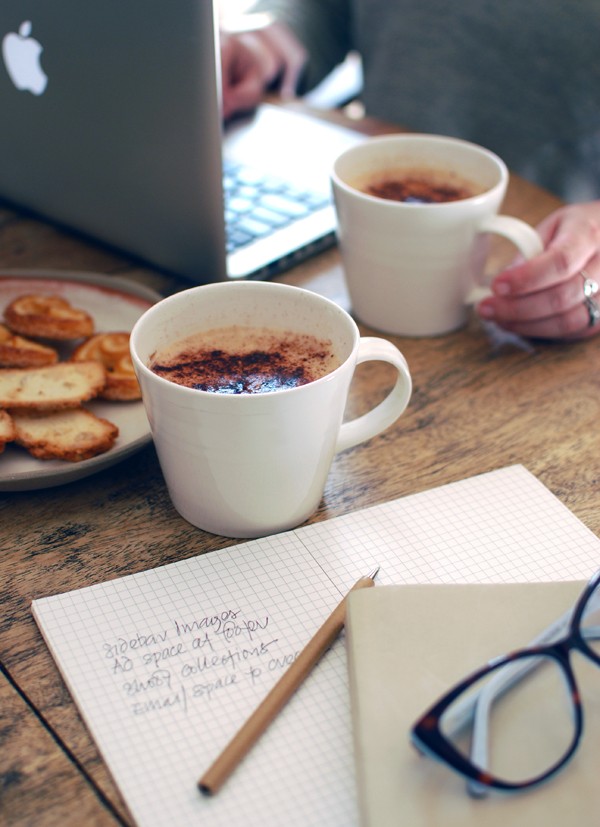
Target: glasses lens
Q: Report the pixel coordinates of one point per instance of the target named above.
(516, 722)
(590, 622)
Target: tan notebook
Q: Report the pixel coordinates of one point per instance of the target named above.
(407, 645)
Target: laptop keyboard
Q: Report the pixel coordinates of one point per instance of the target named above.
(257, 205)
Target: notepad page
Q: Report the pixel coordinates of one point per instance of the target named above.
(166, 665)
(503, 526)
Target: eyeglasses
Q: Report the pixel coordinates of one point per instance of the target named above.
(512, 740)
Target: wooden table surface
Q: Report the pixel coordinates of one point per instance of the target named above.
(473, 410)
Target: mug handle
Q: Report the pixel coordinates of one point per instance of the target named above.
(522, 235)
(387, 412)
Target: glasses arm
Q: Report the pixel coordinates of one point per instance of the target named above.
(483, 700)
(463, 712)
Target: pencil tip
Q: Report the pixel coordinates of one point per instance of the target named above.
(372, 575)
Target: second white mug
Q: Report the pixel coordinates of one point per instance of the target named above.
(412, 268)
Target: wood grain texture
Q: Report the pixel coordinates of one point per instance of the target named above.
(39, 783)
(473, 410)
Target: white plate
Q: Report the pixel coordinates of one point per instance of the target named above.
(115, 304)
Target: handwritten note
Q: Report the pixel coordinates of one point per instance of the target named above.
(175, 660)
(193, 659)
(166, 665)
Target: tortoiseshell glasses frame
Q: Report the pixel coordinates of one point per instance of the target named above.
(427, 734)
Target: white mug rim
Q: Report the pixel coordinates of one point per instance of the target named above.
(426, 138)
(235, 398)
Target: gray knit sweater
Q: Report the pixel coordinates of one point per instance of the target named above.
(521, 77)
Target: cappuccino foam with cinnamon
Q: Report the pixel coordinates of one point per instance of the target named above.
(245, 360)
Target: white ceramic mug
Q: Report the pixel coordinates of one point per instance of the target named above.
(411, 268)
(247, 465)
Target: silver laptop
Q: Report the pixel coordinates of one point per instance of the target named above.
(111, 125)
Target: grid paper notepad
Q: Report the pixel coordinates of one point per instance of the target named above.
(166, 665)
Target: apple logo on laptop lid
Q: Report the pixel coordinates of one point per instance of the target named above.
(21, 54)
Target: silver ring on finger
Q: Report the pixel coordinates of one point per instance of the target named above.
(590, 286)
(593, 311)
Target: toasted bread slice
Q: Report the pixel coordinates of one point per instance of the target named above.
(19, 352)
(65, 385)
(7, 429)
(72, 435)
(112, 350)
(48, 317)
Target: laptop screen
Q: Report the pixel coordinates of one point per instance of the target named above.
(111, 125)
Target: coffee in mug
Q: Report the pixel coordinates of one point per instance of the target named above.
(418, 187)
(245, 359)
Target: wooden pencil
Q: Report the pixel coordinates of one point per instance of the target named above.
(220, 770)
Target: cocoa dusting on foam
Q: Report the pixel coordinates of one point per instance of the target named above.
(244, 360)
(419, 191)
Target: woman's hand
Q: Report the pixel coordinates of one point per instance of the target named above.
(551, 296)
(253, 61)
